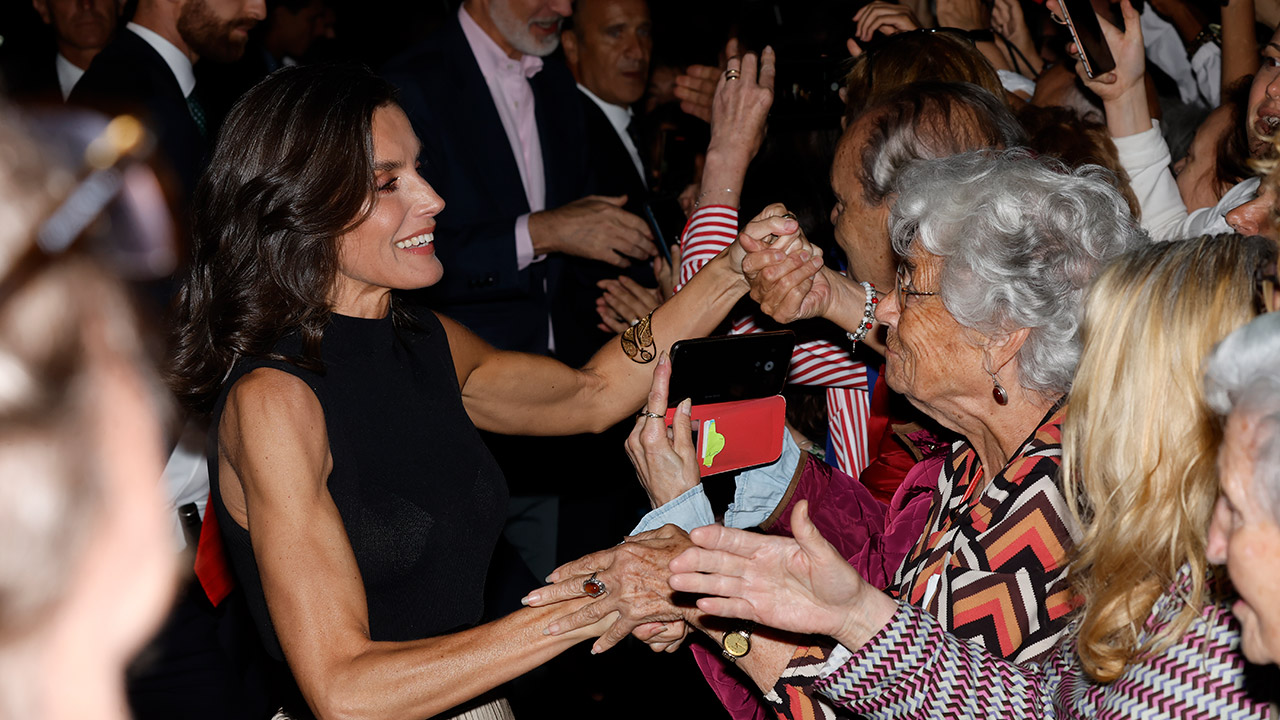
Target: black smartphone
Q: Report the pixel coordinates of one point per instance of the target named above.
(724, 368)
(1087, 32)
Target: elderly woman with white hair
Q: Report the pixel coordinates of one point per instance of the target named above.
(1243, 383)
(997, 250)
(1151, 639)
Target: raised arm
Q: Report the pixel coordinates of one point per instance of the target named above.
(274, 463)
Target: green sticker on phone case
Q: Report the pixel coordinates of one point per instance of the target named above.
(712, 442)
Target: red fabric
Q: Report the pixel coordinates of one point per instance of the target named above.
(873, 536)
(212, 569)
(890, 461)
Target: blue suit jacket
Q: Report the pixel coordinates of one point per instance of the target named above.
(466, 157)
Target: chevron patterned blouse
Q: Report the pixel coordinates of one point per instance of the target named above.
(990, 566)
(913, 668)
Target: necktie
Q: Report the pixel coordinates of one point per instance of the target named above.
(197, 113)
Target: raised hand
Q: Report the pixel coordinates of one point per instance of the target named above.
(799, 584)
(664, 457)
(885, 17)
(624, 301)
(593, 227)
(743, 96)
(635, 576)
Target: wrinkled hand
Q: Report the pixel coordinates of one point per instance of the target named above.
(741, 107)
(594, 227)
(964, 14)
(624, 300)
(662, 636)
(697, 86)
(775, 226)
(800, 585)
(664, 457)
(782, 266)
(635, 574)
(886, 17)
(1126, 48)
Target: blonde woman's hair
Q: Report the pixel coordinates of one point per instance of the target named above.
(1139, 440)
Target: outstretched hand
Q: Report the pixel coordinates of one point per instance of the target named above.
(799, 584)
(635, 574)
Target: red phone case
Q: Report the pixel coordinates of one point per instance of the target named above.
(734, 435)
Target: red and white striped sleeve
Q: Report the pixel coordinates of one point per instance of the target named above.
(710, 229)
(820, 363)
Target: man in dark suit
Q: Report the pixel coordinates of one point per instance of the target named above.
(607, 48)
(515, 177)
(80, 29)
(149, 68)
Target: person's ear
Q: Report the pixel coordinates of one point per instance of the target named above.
(1000, 349)
(42, 7)
(569, 41)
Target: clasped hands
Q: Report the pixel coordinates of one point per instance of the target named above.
(664, 581)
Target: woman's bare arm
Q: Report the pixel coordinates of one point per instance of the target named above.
(274, 463)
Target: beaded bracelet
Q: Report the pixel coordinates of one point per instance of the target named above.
(868, 314)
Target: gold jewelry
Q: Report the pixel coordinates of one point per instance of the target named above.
(654, 415)
(637, 341)
(737, 643)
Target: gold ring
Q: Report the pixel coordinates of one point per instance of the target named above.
(648, 414)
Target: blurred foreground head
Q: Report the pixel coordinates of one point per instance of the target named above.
(86, 566)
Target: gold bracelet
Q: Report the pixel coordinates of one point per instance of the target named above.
(637, 341)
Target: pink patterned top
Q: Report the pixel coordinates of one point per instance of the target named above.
(913, 668)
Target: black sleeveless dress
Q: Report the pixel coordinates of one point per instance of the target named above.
(421, 498)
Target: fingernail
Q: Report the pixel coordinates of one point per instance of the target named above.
(804, 256)
(595, 650)
(686, 405)
(551, 629)
(531, 597)
(662, 358)
(550, 578)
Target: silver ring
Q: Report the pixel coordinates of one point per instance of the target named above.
(594, 587)
(635, 322)
(648, 414)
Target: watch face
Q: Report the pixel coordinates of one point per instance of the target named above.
(737, 644)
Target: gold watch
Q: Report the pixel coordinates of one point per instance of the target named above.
(737, 643)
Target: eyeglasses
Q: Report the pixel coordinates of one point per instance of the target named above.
(906, 287)
(138, 243)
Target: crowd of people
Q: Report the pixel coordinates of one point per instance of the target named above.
(401, 323)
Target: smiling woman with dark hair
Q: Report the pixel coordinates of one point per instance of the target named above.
(358, 504)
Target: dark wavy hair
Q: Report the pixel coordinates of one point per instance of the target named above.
(293, 170)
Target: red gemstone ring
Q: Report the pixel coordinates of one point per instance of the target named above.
(594, 586)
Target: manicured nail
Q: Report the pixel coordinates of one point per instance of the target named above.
(662, 358)
(551, 629)
(530, 598)
(685, 406)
